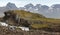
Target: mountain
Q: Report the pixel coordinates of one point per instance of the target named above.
(9, 6)
(55, 11)
(49, 12)
(38, 8)
(29, 6)
(56, 6)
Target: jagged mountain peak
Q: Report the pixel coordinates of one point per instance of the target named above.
(38, 4)
(29, 5)
(11, 6)
(9, 3)
(56, 6)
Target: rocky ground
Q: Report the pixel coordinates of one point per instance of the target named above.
(7, 31)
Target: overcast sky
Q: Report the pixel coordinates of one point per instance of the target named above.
(21, 3)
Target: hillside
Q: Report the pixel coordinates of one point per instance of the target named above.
(27, 14)
(32, 20)
(33, 16)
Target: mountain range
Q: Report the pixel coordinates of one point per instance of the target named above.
(49, 12)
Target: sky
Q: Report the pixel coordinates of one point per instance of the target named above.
(21, 3)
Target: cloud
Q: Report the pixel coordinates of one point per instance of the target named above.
(21, 3)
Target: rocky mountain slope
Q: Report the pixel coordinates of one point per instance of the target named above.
(37, 23)
(31, 20)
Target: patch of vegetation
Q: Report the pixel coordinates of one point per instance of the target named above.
(39, 26)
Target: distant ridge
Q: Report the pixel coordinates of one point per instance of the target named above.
(49, 12)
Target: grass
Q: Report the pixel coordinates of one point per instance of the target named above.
(25, 14)
(39, 26)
